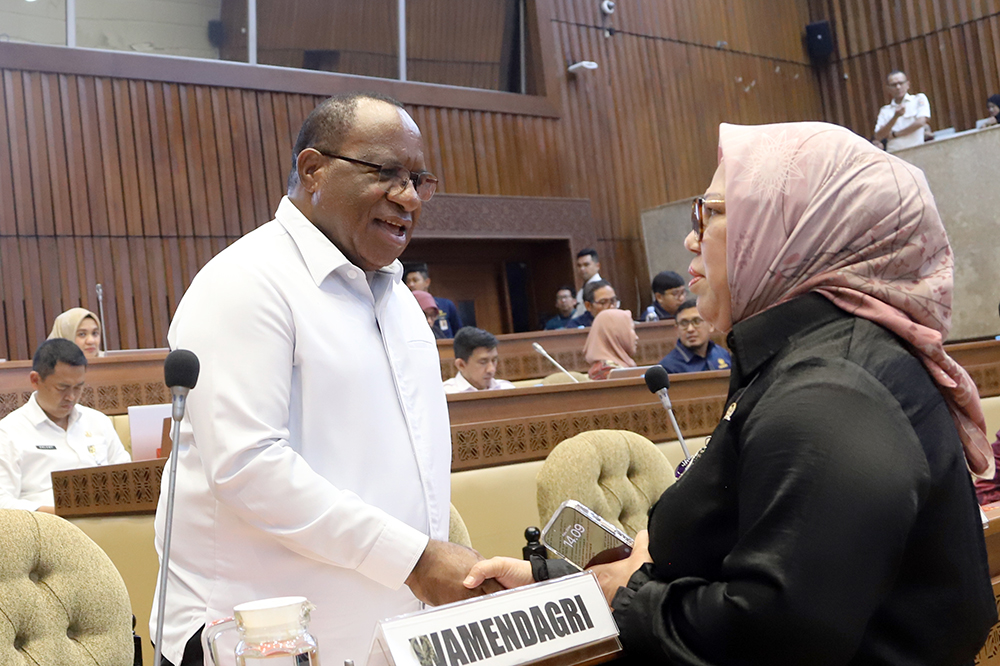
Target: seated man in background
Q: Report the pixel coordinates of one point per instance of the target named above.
(417, 278)
(597, 297)
(476, 359)
(51, 432)
(694, 351)
(565, 305)
(668, 294)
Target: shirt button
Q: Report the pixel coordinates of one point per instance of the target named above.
(352, 274)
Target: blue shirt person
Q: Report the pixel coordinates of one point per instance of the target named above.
(565, 305)
(597, 296)
(694, 351)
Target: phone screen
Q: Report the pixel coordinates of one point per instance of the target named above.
(581, 536)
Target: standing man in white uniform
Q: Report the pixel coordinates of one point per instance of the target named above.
(51, 432)
(315, 452)
(588, 266)
(901, 122)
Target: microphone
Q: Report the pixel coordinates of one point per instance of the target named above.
(104, 322)
(658, 381)
(180, 374)
(541, 350)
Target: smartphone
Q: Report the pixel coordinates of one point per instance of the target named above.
(583, 538)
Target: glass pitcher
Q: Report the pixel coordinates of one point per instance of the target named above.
(274, 632)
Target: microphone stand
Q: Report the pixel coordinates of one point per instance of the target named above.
(161, 604)
(541, 350)
(104, 322)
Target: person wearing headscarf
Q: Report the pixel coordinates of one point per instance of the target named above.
(610, 343)
(993, 106)
(831, 517)
(81, 326)
(430, 309)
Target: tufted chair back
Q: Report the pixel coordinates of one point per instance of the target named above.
(457, 531)
(616, 473)
(62, 602)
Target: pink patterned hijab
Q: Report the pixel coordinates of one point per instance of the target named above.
(814, 207)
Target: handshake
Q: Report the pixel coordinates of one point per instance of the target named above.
(442, 571)
(447, 572)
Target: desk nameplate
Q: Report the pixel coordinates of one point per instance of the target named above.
(564, 621)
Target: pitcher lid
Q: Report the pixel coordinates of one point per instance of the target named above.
(280, 614)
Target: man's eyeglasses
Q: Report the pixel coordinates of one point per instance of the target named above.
(394, 179)
(611, 303)
(702, 209)
(687, 323)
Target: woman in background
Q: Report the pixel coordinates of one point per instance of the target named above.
(831, 518)
(610, 343)
(82, 327)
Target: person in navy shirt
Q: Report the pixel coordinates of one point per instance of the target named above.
(694, 351)
(566, 307)
(417, 278)
(597, 297)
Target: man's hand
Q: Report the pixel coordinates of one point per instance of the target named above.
(46, 509)
(443, 566)
(899, 110)
(505, 570)
(615, 575)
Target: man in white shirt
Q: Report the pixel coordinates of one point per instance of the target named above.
(315, 453)
(51, 432)
(901, 122)
(588, 266)
(476, 359)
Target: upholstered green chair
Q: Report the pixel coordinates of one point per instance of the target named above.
(62, 602)
(616, 473)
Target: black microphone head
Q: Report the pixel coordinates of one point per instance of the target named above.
(181, 369)
(656, 378)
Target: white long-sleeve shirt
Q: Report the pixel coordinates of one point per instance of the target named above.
(315, 452)
(32, 446)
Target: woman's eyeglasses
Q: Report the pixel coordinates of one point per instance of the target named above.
(702, 209)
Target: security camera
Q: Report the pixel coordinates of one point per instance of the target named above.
(607, 7)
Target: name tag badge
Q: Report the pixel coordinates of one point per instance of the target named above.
(45, 447)
(567, 616)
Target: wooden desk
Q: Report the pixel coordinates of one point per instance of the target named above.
(518, 360)
(113, 384)
(500, 427)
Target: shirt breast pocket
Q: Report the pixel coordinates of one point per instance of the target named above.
(424, 355)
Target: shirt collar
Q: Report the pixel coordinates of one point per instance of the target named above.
(756, 340)
(689, 354)
(37, 416)
(462, 383)
(320, 255)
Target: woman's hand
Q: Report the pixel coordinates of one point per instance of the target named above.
(505, 570)
(615, 575)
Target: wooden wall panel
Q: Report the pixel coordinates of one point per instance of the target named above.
(950, 50)
(135, 184)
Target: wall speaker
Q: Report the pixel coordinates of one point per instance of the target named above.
(819, 41)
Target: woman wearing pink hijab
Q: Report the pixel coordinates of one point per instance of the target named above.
(831, 518)
(610, 343)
